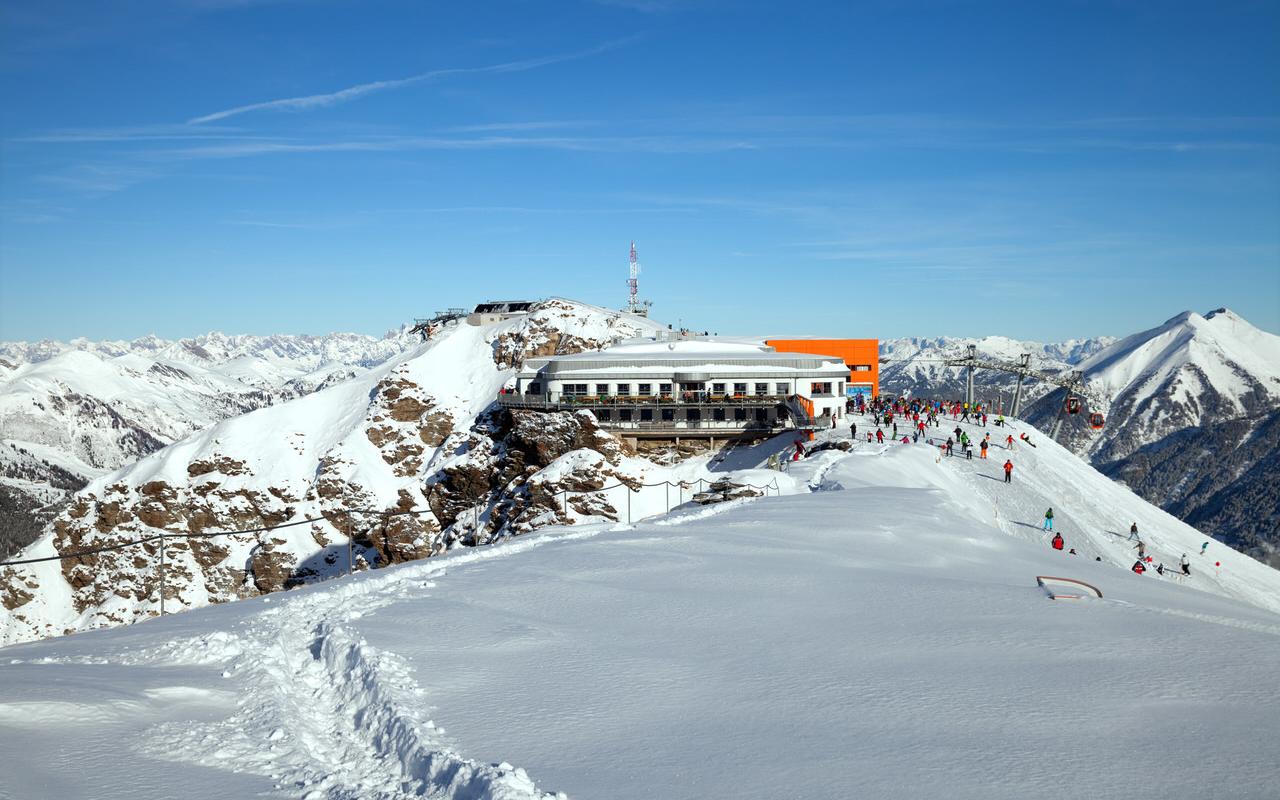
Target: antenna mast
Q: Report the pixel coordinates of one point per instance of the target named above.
(634, 304)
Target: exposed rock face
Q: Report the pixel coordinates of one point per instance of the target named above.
(326, 483)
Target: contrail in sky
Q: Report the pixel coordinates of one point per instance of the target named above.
(352, 92)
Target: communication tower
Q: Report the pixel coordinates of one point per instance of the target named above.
(634, 304)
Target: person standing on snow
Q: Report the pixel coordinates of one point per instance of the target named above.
(1008, 443)
(853, 430)
(1057, 541)
(968, 450)
(1048, 520)
(1133, 531)
(984, 448)
(1186, 565)
(1204, 547)
(879, 436)
(1008, 471)
(1141, 547)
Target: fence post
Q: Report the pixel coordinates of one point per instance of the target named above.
(351, 550)
(566, 502)
(666, 486)
(628, 488)
(162, 574)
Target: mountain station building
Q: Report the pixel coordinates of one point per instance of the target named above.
(689, 387)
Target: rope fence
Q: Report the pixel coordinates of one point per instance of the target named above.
(345, 515)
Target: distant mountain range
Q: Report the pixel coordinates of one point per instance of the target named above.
(71, 411)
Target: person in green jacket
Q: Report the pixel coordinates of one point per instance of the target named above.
(1048, 520)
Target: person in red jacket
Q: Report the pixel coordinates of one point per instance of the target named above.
(1057, 541)
(1008, 472)
(879, 436)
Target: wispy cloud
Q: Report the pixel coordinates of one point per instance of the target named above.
(605, 144)
(137, 133)
(309, 102)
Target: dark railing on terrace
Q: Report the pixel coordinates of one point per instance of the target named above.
(680, 400)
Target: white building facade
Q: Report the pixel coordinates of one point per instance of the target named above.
(687, 385)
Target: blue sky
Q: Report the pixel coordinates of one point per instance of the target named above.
(1036, 170)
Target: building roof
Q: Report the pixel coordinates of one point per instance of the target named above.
(658, 357)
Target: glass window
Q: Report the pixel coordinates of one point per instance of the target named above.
(717, 414)
(575, 389)
(861, 367)
(668, 415)
(819, 389)
(762, 414)
(740, 414)
(646, 390)
(602, 389)
(604, 415)
(624, 415)
(693, 414)
(664, 389)
(781, 388)
(717, 388)
(646, 414)
(535, 388)
(739, 389)
(624, 390)
(762, 388)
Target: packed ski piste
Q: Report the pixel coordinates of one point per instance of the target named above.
(874, 630)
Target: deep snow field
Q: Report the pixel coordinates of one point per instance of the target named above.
(875, 632)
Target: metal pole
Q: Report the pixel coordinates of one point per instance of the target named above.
(628, 488)
(351, 552)
(968, 386)
(566, 502)
(1025, 363)
(666, 485)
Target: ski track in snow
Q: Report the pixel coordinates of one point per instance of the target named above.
(326, 714)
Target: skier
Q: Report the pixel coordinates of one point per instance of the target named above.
(1048, 520)
(895, 430)
(1008, 472)
(1139, 567)
(950, 444)
(958, 431)
(1008, 443)
(879, 436)
(968, 450)
(1141, 547)
(799, 451)
(984, 448)
(853, 430)
(1024, 437)
(1000, 420)
(1186, 565)
(1133, 531)
(1057, 541)
(1204, 547)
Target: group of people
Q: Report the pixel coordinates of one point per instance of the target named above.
(1144, 561)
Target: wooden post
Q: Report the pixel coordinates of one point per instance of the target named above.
(162, 574)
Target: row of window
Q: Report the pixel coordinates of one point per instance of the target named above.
(665, 389)
(689, 414)
(816, 389)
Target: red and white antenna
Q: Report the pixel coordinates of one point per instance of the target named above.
(634, 304)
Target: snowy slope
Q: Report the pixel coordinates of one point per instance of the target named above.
(87, 408)
(881, 636)
(398, 436)
(1191, 409)
(1190, 370)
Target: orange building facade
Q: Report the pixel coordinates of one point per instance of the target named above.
(862, 356)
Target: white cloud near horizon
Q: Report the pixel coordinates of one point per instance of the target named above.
(352, 92)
